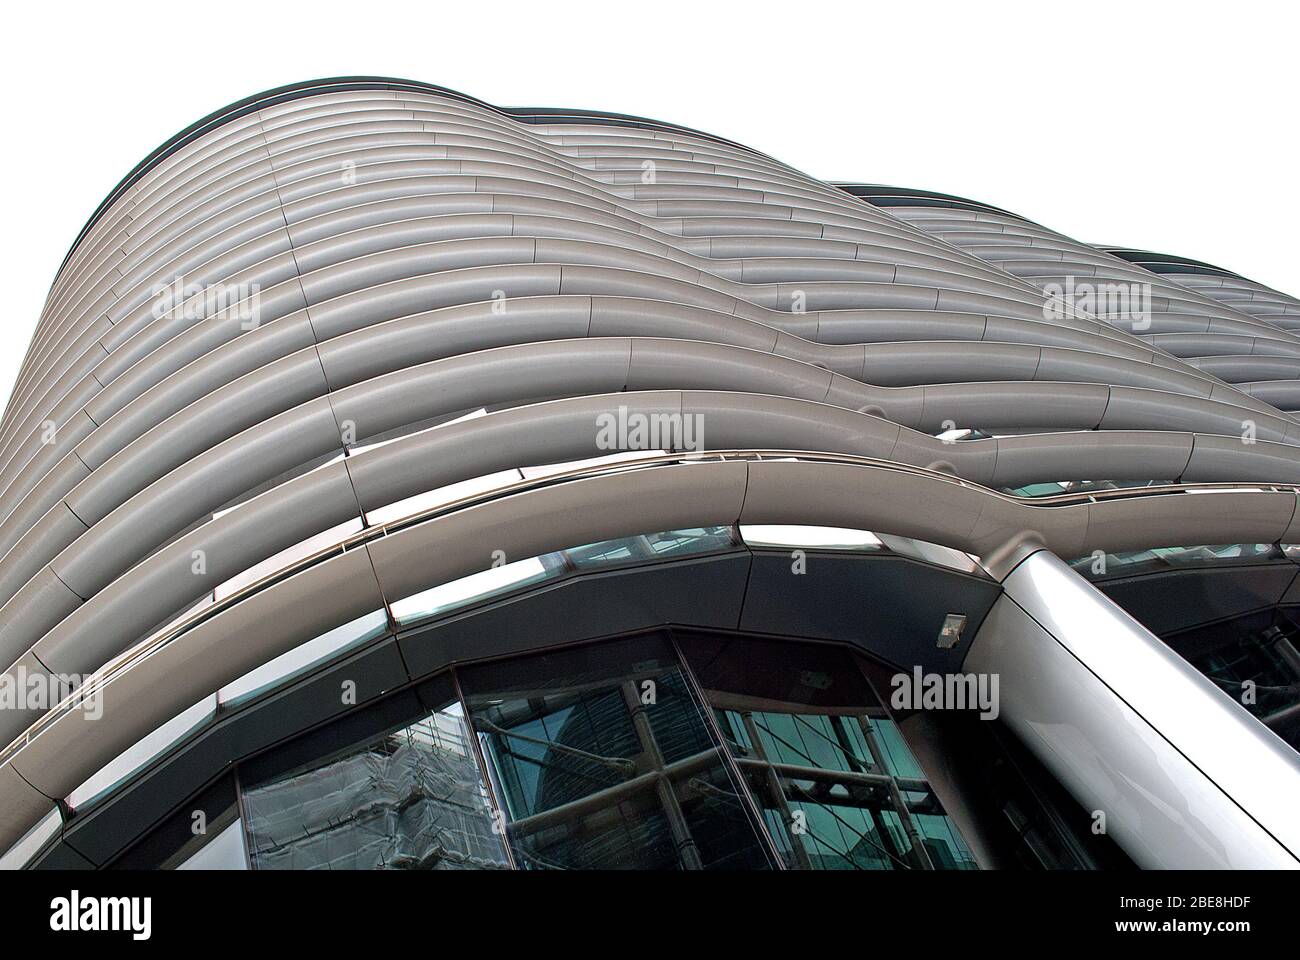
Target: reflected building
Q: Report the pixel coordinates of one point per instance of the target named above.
(399, 482)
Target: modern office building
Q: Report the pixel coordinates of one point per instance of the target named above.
(398, 481)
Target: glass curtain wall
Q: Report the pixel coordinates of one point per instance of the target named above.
(603, 758)
(654, 752)
(838, 787)
(410, 796)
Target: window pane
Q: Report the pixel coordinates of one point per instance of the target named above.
(651, 546)
(604, 760)
(1255, 659)
(407, 798)
(837, 785)
(518, 575)
(203, 833)
(1167, 558)
(225, 852)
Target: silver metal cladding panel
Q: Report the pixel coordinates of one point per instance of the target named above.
(413, 254)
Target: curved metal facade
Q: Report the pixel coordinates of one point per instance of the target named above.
(1224, 325)
(239, 365)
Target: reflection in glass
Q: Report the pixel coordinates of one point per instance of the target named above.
(1062, 487)
(203, 833)
(651, 546)
(411, 798)
(516, 575)
(837, 785)
(1168, 558)
(602, 759)
(226, 851)
(1255, 659)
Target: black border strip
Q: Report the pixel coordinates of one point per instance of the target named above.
(881, 195)
(1168, 263)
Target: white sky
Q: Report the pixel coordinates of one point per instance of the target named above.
(1165, 126)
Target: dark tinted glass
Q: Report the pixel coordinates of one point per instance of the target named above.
(603, 759)
(838, 787)
(187, 831)
(1255, 659)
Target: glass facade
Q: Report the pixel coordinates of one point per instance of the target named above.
(603, 758)
(1252, 656)
(647, 752)
(409, 798)
(1157, 559)
(1255, 660)
(197, 835)
(517, 575)
(838, 787)
(652, 752)
(1056, 488)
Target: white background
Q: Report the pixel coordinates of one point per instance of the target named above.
(1164, 126)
